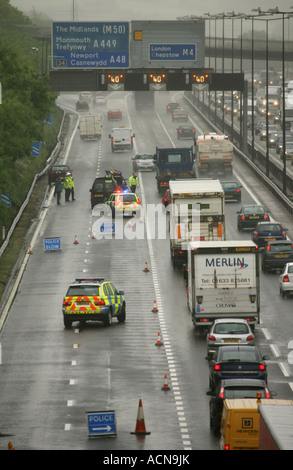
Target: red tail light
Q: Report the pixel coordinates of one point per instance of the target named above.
(268, 247)
(250, 338)
(100, 302)
(217, 367)
(211, 338)
(66, 304)
(262, 367)
(266, 216)
(138, 201)
(226, 447)
(222, 393)
(283, 234)
(286, 278)
(243, 217)
(255, 234)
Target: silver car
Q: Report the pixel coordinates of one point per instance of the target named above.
(228, 331)
(286, 280)
(143, 161)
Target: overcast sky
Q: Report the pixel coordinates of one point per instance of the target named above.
(127, 10)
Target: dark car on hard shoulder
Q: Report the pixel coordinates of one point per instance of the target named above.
(57, 171)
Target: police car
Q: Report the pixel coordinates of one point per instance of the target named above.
(93, 299)
(124, 203)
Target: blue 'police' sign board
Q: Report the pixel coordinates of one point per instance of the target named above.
(173, 52)
(90, 45)
(101, 423)
(52, 244)
(107, 227)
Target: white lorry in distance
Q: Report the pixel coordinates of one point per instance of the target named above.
(90, 127)
(197, 212)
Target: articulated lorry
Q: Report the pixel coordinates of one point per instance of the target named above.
(223, 281)
(214, 153)
(90, 127)
(197, 212)
(173, 163)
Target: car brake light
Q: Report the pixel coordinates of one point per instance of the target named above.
(283, 234)
(138, 201)
(237, 190)
(212, 338)
(250, 338)
(268, 247)
(99, 302)
(255, 234)
(266, 216)
(243, 217)
(221, 395)
(286, 278)
(217, 367)
(66, 303)
(226, 447)
(262, 367)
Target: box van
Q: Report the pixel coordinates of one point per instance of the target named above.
(240, 424)
(121, 138)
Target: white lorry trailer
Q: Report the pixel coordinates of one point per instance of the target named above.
(223, 281)
(214, 153)
(197, 212)
(90, 127)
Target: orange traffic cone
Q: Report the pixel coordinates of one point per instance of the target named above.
(75, 241)
(129, 223)
(159, 342)
(140, 425)
(155, 309)
(146, 269)
(94, 234)
(30, 250)
(10, 446)
(165, 386)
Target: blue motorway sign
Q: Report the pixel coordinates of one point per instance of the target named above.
(90, 45)
(101, 423)
(52, 244)
(36, 149)
(173, 52)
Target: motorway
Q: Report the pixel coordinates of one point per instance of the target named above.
(51, 376)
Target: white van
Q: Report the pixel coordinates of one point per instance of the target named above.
(121, 138)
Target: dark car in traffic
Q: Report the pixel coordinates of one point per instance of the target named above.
(276, 255)
(82, 105)
(185, 132)
(250, 214)
(231, 362)
(179, 115)
(231, 389)
(232, 190)
(268, 231)
(101, 189)
(172, 106)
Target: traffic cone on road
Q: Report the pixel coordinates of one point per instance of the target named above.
(129, 223)
(159, 342)
(140, 424)
(165, 386)
(146, 269)
(155, 309)
(75, 241)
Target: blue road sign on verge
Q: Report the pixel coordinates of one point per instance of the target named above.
(52, 244)
(173, 52)
(5, 199)
(101, 423)
(36, 149)
(90, 45)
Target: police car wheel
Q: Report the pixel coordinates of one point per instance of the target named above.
(108, 318)
(67, 323)
(122, 316)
